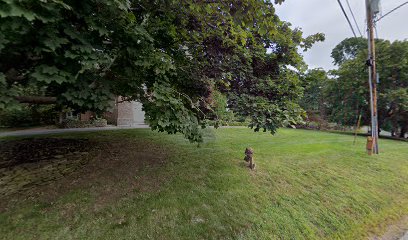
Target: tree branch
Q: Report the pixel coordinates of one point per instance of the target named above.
(36, 99)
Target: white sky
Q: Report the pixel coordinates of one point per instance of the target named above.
(325, 16)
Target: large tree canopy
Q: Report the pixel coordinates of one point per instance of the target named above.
(172, 56)
(315, 81)
(348, 92)
(348, 49)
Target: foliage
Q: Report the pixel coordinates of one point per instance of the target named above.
(100, 122)
(26, 116)
(76, 123)
(348, 93)
(220, 108)
(315, 82)
(348, 49)
(170, 55)
(397, 110)
(324, 125)
(231, 123)
(393, 97)
(348, 90)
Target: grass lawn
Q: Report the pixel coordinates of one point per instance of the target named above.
(138, 184)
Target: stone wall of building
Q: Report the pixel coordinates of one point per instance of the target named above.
(124, 114)
(129, 113)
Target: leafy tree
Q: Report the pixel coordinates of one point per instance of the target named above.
(348, 92)
(393, 98)
(170, 55)
(348, 49)
(396, 110)
(28, 115)
(315, 82)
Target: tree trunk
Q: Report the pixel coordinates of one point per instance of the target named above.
(403, 131)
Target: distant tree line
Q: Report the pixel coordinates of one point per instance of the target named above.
(341, 95)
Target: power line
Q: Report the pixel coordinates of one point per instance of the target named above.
(396, 8)
(354, 18)
(348, 20)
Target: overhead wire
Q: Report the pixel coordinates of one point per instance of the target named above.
(354, 18)
(347, 18)
(391, 11)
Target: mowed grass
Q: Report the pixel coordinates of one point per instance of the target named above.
(307, 185)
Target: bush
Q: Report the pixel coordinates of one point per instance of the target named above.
(75, 123)
(314, 125)
(28, 115)
(228, 123)
(100, 122)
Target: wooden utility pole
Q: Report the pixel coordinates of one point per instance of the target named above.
(372, 78)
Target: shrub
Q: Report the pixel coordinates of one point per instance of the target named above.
(28, 115)
(228, 123)
(322, 125)
(76, 123)
(100, 122)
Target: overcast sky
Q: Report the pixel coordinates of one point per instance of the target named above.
(325, 16)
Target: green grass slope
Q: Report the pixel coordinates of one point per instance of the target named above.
(146, 185)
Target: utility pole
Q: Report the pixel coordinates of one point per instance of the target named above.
(372, 7)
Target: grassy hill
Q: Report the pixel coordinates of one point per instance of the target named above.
(138, 184)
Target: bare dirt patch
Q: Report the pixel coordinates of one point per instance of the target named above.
(109, 169)
(27, 163)
(18, 152)
(394, 231)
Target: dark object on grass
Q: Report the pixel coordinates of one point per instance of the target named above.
(249, 152)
